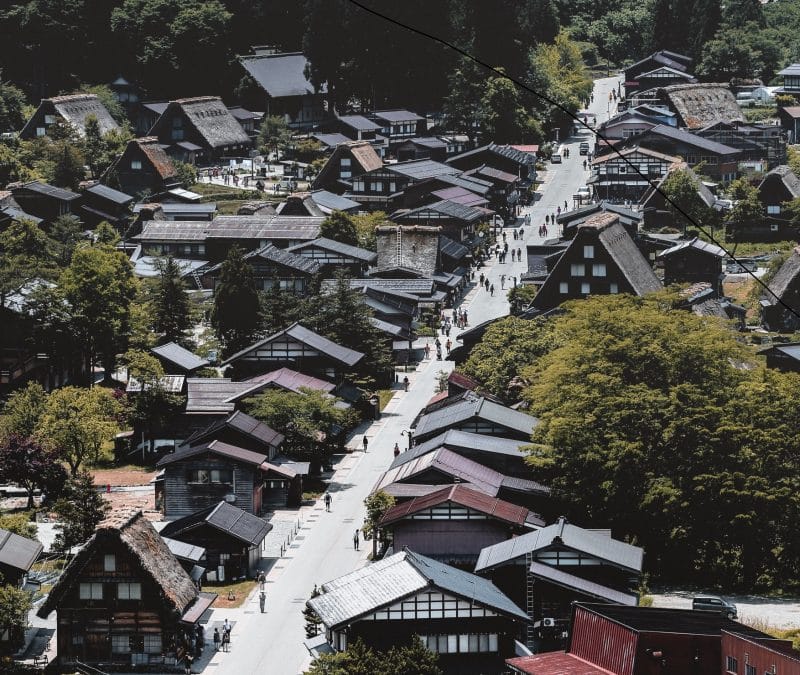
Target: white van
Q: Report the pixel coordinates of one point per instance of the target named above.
(555, 158)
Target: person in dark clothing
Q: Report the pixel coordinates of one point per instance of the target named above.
(356, 540)
(366, 442)
(327, 501)
(217, 639)
(262, 600)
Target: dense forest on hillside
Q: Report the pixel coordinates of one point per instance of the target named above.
(172, 48)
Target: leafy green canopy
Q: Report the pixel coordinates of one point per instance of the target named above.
(662, 425)
(359, 659)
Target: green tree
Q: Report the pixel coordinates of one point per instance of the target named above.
(15, 603)
(67, 164)
(274, 136)
(186, 173)
(79, 511)
(341, 316)
(312, 619)
(19, 523)
(747, 209)
(172, 315)
(365, 226)
(65, 231)
(279, 308)
(340, 227)
(682, 188)
(22, 411)
(152, 405)
(463, 101)
(520, 298)
(507, 347)
(407, 659)
(25, 462)
(105, 234)
(94, 147)
(656, 420)
(503, 117)
(236, 313)
(377, 504)
(26, 253)
(99, 287)
(12, 107)
(77, 422)
(310, 420)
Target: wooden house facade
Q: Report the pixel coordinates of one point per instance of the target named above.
(144, 168)
(546, 570)
(467, 620)
(299, 348)
(613, 178)
(777, 188)
(198, 477)
(124, 601)
(333, 255)
(231, 537)
(453, 524)
(45, 201)
(347, 162)
(201, 130)
(693, 261)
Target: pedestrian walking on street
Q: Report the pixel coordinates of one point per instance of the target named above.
(466, 318)
(515, 235)
(405, 382)
(447, 345)
(262, 579)
(438, 353)
(327, 501)
(527, 222)
(519, 254)
(226, 641)
(201, 639)
(366, 442)
(355, 540)
(480, 279)
(216, 639)
(447, 330)
(396, 449)
(565, 205)
(491, 290)
(513, 255)
(262, 600)
(188, 660)
(487, 284)
(427, 356)
(546, 218)
(502, 281)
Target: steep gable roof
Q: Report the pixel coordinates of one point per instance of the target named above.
(787, 277)
(701, 104)
(212, 120)
(156, 155)
(280, 74)
(284, 378)
(224, 517)
(244, 424)
(344, 355)
(17, 551)
(597, 544)
(75, 109)
(787, 177)
(403, 574)
(455, 439)
(495, 508)
(138, 536)
(337, 247)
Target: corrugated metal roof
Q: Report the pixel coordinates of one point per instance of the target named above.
(593, 543)
(180, 356)
(215, 447)
(474, 407)
(498, 509)
(338, 247)
(49, 190)
(561, 578)
(224, 517)
(331, 140)
(285, 378)
(333, 202)
(447, 208)
(17, 551)
(403, 574)
(280, 74)
(555, 663)
(420, 169)
(695, 243)
(460, 195)
(397, 116)
(359, 122)
(455, 439)
(210, 394)
(181, 549)
(110, 194)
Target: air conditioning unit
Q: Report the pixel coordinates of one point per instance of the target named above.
(548, 623)
(231, 498)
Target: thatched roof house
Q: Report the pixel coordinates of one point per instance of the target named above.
(201, 127)
(74, 109)
(784, 294)
(143, 167)
(698, 105)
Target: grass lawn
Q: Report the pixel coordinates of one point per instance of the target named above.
(385, 395)
(313, 487)
(214, 189)
(238, 590)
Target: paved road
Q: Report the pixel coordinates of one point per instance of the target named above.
(273, 642)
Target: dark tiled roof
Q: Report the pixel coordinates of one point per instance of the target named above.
(183, 550)
(338, 247)
(682, 136)
(420, 169)
(333, 202)
(445, 208)
(286, 258)
(49, 191)
(136, 535)
(350, 597)
(331, 140)
(596, 544)
(215, 448)
(180, 356)
(697, 244)
(242, 423)
(561, 578)
(455, 439)
(18, 552)
(212, 394)
(348, 357)
(224, 517)
(787, 177)
(285, 378)
(280, 74)
(110, 194)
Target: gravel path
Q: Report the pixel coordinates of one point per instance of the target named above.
(754, 610)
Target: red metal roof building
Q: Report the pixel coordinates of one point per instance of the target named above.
(455, 523)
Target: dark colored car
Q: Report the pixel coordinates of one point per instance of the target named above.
(584, 148)
(712, 603)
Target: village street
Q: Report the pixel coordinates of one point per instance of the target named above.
(323, 549)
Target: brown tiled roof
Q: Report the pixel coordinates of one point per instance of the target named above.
(139, 537)
(157, 156)
(216, 448)
(471, 499)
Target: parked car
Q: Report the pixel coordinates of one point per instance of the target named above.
(584, 148)
(555, 158)
(583, 194)
(712, 603)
